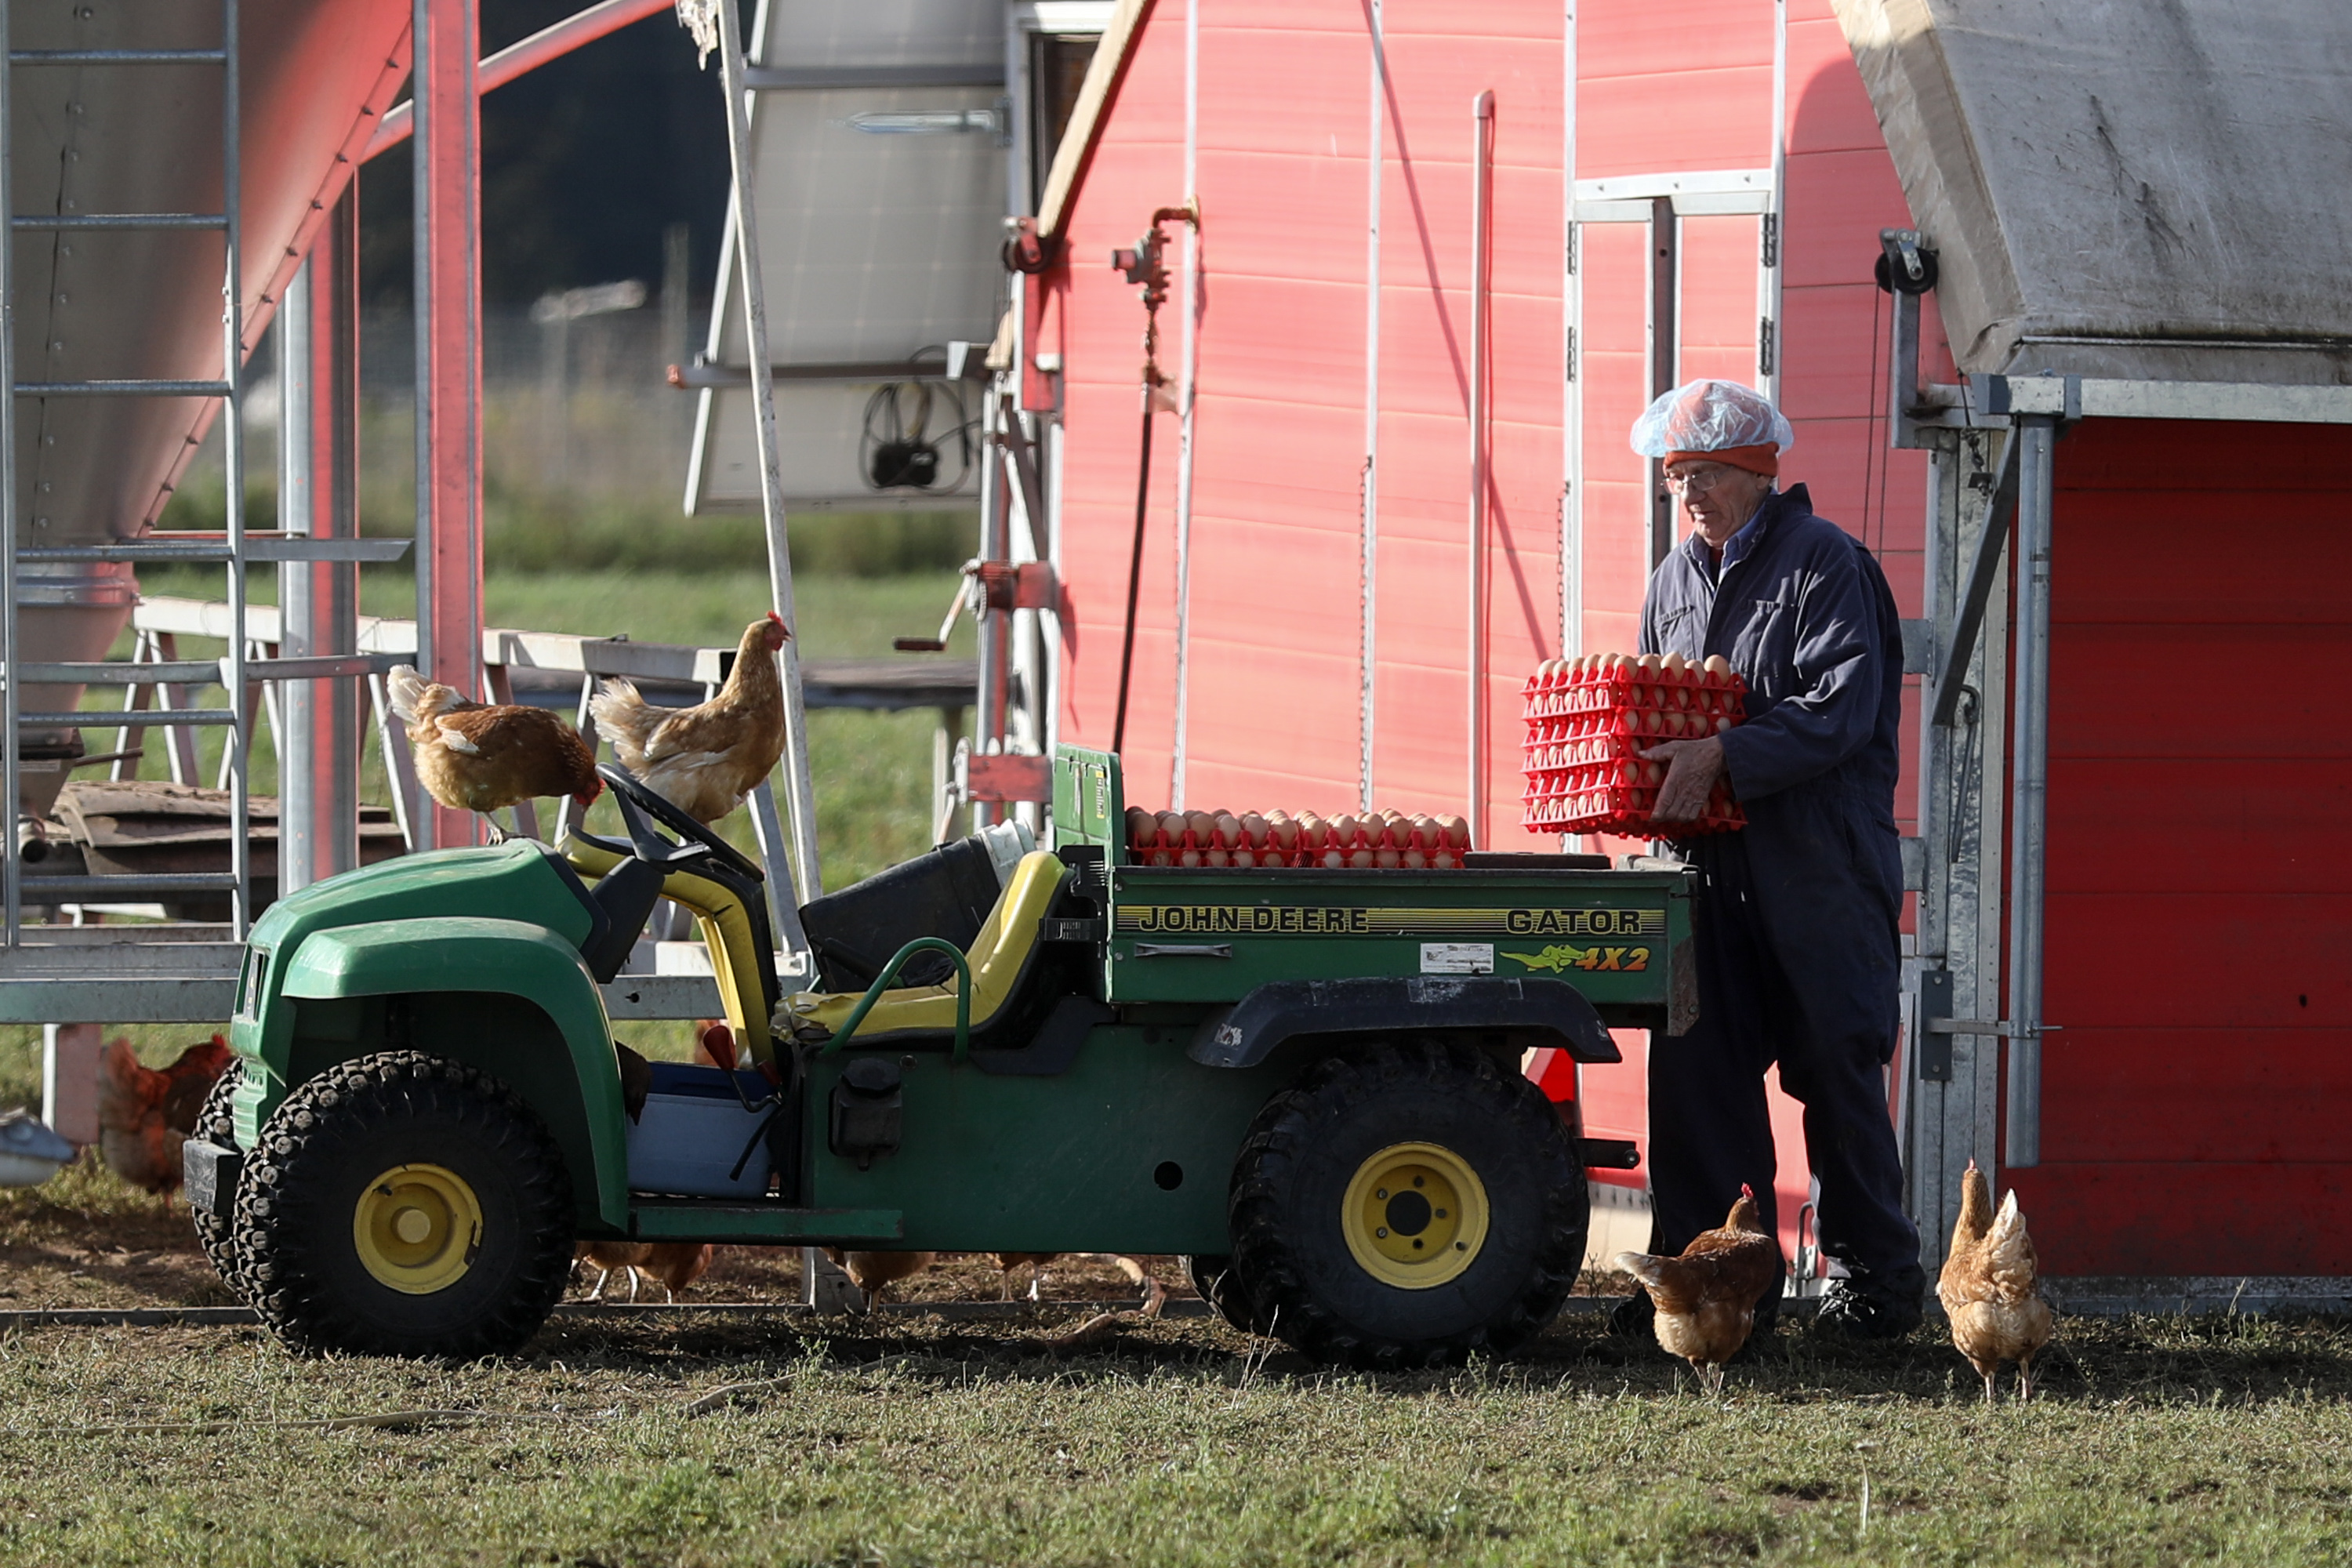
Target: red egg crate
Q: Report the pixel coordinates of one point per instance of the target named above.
(1588, 723)
(1376, 841)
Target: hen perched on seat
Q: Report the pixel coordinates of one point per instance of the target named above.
(706, 758)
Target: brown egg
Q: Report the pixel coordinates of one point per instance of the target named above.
(1717, 666)
(1254, 829)
(1163, 858)
(1311, 830)
(1335, 859)
(1361, 859)
(1673, 664)
(1202, 824)
(1229, 830)
(1723, 723)
(1189, 858)
(1284, 833)
(1457, 832)
(1413, 860)
(1217, 857)
(1244, 858)
(1171, 827)
(1387, 859)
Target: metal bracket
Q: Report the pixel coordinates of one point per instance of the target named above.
(1053, 928)
(1984, 571)
(1918, 647)
(1914, 864)
(1934, 1051)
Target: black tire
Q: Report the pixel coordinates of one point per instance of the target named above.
(326, 1159)
(215, 1124)
(1215, 1282)
(1347, 1119)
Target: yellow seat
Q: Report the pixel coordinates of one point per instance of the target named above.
(998, 956)
(726, 927)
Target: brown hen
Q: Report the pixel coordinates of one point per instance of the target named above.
(705, 759)
(144, 1114)
(1707, 1298)
(1988, 1287)
(677, 1264)
(875, 1272)
(475, 757)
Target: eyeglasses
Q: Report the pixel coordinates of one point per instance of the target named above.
(1698, 480)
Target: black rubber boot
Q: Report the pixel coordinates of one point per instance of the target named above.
(1862, 1309)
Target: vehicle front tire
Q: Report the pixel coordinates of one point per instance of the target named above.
(403, 1205)
(1408, 1206)
(216, 1124)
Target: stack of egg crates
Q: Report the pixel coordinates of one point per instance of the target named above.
(1590, 719)
(1375, 841)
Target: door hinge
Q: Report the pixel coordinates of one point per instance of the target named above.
(1571, 354)
(1766, 349)
(1772, 240)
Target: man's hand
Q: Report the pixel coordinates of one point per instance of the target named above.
(1693, 767)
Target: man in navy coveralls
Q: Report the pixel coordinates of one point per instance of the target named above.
(1797, 914)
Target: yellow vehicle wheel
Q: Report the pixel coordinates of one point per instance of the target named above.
(1408, 1205)
(1415, 1215)
(416, 1228)
(401, 1204)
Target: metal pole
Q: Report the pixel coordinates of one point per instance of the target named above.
(1180, 751)
(240, 735)
(12, 868)
(992, 624)
(447, 164)
(1482, 123)
(2029, 782)
(807, 878)
(1376, 158)
(318, 763)
(1665, 338)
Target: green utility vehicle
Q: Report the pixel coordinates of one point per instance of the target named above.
(1308, 1082)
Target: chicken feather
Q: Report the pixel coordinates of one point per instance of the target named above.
(1988, 1287)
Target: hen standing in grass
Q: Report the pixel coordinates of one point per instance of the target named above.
(145, 1115)
(875, 1272)
(475, 757)
(1707, 1298)
(707, 758)
(1988, 1287)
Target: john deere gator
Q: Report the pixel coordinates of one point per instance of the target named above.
(1307, 1082)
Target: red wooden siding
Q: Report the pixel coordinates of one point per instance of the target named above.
(2200, 818)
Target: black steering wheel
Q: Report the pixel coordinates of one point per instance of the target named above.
(632, 796)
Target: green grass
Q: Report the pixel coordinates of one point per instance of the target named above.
(915, 1442)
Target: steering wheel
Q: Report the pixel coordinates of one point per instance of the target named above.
(629, 792)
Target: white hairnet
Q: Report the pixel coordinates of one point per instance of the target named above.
(1708, 416)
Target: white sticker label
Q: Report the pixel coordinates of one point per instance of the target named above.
(1457, 958)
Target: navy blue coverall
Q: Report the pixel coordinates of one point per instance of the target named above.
(1797, 915)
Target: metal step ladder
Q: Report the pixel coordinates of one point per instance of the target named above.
(232, 550)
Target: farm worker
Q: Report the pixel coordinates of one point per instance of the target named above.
(1796, 917)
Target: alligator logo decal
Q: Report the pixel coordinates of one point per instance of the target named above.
(1557, 958)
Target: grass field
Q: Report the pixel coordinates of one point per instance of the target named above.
(916, 1441)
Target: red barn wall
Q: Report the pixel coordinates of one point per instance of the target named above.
(1284, 120)
(2200, 822)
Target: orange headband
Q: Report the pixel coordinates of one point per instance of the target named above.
(1764, 459)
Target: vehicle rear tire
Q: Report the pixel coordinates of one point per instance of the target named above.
(1408, 1206)
(216, 1124)
(1215, 1282)
(402, 1204)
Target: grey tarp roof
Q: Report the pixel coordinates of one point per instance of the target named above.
(2144, 189)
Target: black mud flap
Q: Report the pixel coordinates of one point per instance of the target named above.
(211, 1173)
